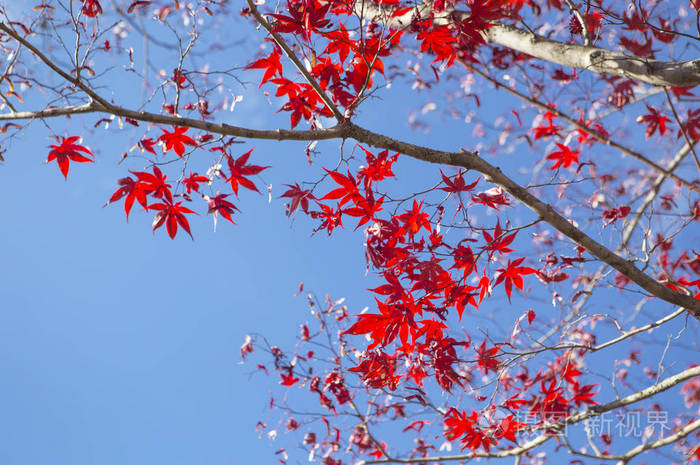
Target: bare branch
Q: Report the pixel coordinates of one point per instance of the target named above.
(655, 72)
(75, 81)
(683, 432)
(596, 135)
(223, 129)
(50, 112)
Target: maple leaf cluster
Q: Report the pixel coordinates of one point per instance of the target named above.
(173, 213)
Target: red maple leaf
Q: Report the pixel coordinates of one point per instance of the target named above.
(192, 182)
(239, 170)
(306, 16)
(377, 370)
(682, 91)
(176, 140)
(614, 214)
(512, 275)
(499, 242)
(486, 358)
(91, 8)
(563, 157)
(552, 277)
(561, 76)
(300, 108)
(330, 218)
(622, 93)
(378, 168)
(414, 220)
(66, 152)
(327, 72)
(172, 215)
(440, 40)
(179, 79)
(219, 204)
(348, 190)
(432, 330)
(286, 87)
(444, 357)
(460, 297)
(459, 425)
(512, 403)
(551, 404)
(695, 453)
(583, 394)
(457, 184)
(137, 4)
(288, 379)
(492, 198)
(270, 64)
(691, 125)
(299, 196)
(336, 385)
(416, 426)
(530, 316)
(340, 43)
(394, 290)
(383, 328)
(470, 28)
(637, 20)
(365, 209)
(360, 75)
(154, 184)
(654, 120)
(133, 190)
(593, 23)
(640, 50)
(464, 259)
(585, 137)
(508, 427)
(546, 130)
(147, 145)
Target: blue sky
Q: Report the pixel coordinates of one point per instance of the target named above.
(122, 346)
(119, 346)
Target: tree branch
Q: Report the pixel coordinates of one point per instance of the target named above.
(335, 132)
(573, 419)
(597, 136)
(683, 432)
(599, 60)
(655, 72)
(75, 81)
(49, 112)
(626, 237)
(494, 174)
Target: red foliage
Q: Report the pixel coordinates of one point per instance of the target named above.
(563, 157)
(176, 140)
(239, 171)
(172, 215)
(512, 275)
(91, 8)
(654, 120)
(68, 151)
